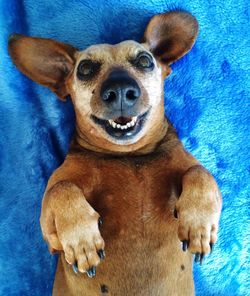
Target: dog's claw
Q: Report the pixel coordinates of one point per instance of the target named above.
(75, 268)
(202, 257)
(100, 222)
(211, 247)
(197, 257)
(101, 254)
(175, 214)
(184, 245)
(91, 272)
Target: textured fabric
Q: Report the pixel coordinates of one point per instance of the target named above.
(207, 99)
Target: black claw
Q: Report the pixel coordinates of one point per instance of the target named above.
(202, 257)
(211, 247)
(91, 272)
(185, 245)
(75, 268)
(197, 257)
(101, 254)
(175, 214)
(100, 222)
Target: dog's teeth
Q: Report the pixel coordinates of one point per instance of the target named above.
(133, 122)
(123, 126)
(134, 119)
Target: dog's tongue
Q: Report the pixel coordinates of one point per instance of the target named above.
(122, 120)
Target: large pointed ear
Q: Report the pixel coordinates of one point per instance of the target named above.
(171, 35)
(45, 61)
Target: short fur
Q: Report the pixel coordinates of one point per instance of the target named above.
(134, 185)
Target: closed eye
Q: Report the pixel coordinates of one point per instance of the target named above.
(87, 69)
(143, 61)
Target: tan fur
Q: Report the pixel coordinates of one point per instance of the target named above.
(133, 185)
(86, 100)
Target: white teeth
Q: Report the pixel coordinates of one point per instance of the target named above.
(123, 126)
(134, 119)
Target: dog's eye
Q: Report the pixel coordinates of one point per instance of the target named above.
(144, 61)
(87, 69)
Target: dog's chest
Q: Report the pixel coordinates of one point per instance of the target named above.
(134, 197)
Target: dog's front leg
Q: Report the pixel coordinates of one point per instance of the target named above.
(198, 211)
(70, 224)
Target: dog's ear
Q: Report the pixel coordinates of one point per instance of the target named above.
(171, 35)
(45, 61)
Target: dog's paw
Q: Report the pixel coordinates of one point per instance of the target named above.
(197, 230)
(83, 246)
(78, 236)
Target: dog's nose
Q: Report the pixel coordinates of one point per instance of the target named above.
(120, 91)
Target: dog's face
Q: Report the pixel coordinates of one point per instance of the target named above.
(117, 90)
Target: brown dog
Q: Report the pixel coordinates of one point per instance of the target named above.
(125, 165)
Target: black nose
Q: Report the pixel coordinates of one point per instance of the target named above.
(120, 91)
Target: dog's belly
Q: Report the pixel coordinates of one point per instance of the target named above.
(148, 264)
(136, 265)
(143, 252)
(152, 264)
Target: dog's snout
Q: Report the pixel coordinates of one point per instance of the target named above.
(120, 91)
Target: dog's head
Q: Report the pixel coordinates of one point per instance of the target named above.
(117, 90)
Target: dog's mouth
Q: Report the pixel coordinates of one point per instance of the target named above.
(122, 127)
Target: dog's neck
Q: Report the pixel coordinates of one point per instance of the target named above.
(149, 146)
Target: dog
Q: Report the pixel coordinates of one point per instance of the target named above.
(127, 185)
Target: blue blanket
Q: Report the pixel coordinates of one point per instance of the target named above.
(207, 99)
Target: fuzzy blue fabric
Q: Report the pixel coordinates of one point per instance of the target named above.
(207, 99)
